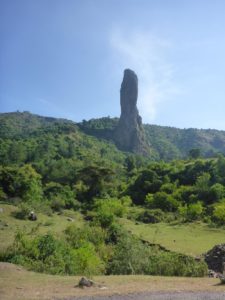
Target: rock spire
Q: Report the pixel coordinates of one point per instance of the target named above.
(129, 134)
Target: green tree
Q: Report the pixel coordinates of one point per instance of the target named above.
(195, 153)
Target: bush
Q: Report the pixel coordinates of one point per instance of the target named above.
(163, 201)
(47, 254)
(174, 264)
(77, 237)
(86, 262)
(23, 212)
(216, 192)
(219, 213)
(107, 209)
(191, 212)
(131, 256)
(57, 204)
(151, 216)
(91, 254)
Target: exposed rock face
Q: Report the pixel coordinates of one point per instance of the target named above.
(129, 134)
(215, 258)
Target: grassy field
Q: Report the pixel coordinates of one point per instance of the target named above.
(9, 225)
(193, 239)
(17, 283)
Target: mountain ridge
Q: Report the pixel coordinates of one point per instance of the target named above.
(166, 142)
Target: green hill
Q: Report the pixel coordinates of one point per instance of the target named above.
(55, 166)
(166, 143)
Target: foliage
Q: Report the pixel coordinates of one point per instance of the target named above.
(131, 256)
(151, 216)
(162, 201)
(22, 182)
(50, 255)
(53, 164)
(219, 213)
(192, 211)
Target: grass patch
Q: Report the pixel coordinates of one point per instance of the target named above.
(191, 239)
(9, 225)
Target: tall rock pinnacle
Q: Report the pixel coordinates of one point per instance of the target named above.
(129, 134)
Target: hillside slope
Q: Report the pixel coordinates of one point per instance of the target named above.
(166, 143)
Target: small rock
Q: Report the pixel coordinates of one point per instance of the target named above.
(85, 282)
(70, 219)
(1, 210)
(213, 274)
(32, 216)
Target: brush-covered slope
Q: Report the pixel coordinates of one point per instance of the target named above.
(166, 142)
(52, 143)
(95, 139)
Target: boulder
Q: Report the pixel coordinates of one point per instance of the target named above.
(215, 258)
(85, 282)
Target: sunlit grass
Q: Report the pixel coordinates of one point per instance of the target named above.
(193, 239)
(55, 223)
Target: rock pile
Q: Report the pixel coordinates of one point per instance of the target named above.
(215, 258)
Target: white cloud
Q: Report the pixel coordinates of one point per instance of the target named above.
(146, 55)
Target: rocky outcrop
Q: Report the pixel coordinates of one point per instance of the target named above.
(215, 258)
(129, 134)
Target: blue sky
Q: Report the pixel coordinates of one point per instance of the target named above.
(66, 58)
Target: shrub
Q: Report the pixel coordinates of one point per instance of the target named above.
(130, 257)
(168, 188)
(106, 210)
(77, 237)
(219, 213)
(112, 205)
(23, 212)
(57, 204)
(151, 216)
(174, 264)
(191, 212)
(47, 254)
(163, 201)
(86, 261)
(216, 192)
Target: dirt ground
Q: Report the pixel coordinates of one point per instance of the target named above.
(19, 284)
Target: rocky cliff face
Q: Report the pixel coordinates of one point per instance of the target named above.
(129, 134)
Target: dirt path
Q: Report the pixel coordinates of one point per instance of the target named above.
(19, 284)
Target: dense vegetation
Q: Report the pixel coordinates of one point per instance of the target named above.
(166, 143)
(50, 165)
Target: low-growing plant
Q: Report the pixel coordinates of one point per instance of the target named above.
(23, 212)
(151, 216)
(191, 212)
(218, 215)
